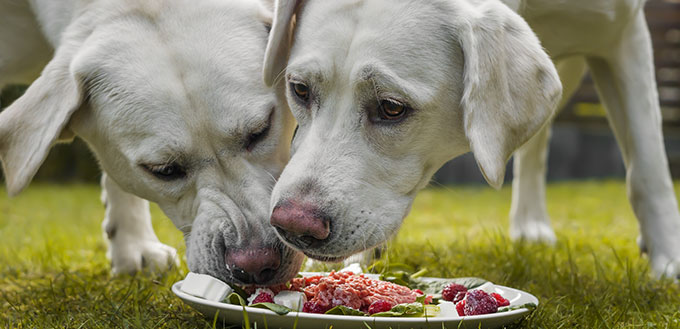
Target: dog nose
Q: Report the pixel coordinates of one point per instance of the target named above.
(301, 221)
(254, 266)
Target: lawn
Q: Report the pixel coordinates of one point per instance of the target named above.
(54, 273)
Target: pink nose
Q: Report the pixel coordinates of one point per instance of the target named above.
(254, 265)
(301, 220)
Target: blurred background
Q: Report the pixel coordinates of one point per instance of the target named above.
(582, 145)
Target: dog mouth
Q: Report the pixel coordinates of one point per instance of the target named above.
(328, 259)
(304, 244)
(256, 262)
(256, 270)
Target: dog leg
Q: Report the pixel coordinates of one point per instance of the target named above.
(626, 84)
(133, 245)
(529, 218)
(528, 215)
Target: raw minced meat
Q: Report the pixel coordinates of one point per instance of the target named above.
(348, 289)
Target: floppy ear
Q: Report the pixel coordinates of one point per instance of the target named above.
(31, 125)
(511, 87)
(278, 46)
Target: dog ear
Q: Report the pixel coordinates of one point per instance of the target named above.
(278, 46)
(34, 122)
(511, 87)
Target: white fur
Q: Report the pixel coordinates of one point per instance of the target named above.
(478, 79)
(127, 228)
(152, 83)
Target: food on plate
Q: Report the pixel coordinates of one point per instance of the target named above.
(346, 293)
(447, 309)
(261, 295)
(481, 300)
(291, 299)
(451, 290)
(478, 302)
(379, 306)
(501, 301)
(206, 287)
(351, 290)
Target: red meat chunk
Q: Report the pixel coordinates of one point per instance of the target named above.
(348, 289)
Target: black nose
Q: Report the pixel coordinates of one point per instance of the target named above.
(242, 276)
(265, 276)
(254, 266)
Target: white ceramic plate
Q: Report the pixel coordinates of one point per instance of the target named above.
(233, 314)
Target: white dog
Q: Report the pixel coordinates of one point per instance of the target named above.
(385, 92)
(169, 96)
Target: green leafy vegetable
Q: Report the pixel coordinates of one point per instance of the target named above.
(235, 299)
(344, 310)
(404, 275)
(530, 306)
(276, 308)
(239, 291)
(398, 277)
(432, 310)
(403, 310)
(434, 286)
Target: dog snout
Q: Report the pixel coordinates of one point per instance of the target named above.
(256, 266)
(301, 224)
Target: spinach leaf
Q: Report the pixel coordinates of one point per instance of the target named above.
(403, 310)
(236, 299)
(276, 308)
(239, 291)
(344, 310)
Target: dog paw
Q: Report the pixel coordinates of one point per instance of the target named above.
(665, 265)
(142, 255)
(533, 231)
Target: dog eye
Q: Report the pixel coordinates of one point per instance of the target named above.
(166, 172)
(253, 139)
(392, 110)
(301, 91)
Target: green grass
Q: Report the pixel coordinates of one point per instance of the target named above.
(54, 273)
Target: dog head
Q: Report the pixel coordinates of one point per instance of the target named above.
(169, 97)
(385, 92)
